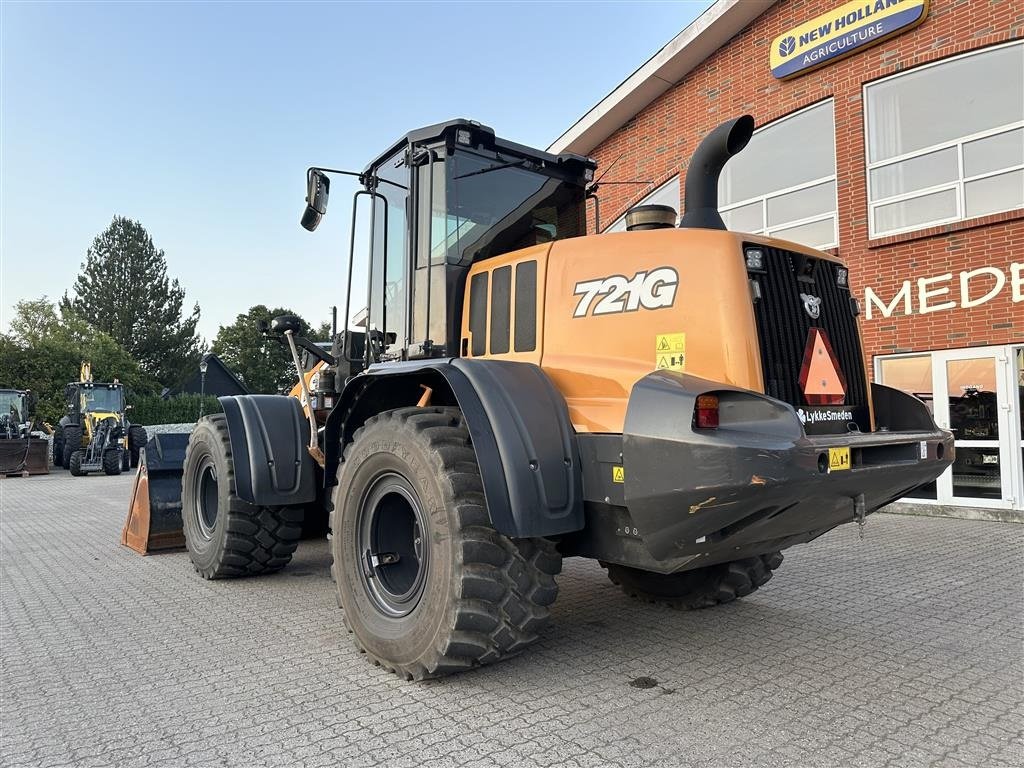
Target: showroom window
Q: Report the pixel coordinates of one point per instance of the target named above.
(945, 142)
(666, 194)
(784, 183)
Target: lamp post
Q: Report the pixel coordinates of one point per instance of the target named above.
(203, 365)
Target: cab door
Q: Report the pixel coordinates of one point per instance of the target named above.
(389, 259)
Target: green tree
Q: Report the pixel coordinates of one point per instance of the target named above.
(124, 291)
(44, 351)
(322, 332)
(263, 364)
(34, 320)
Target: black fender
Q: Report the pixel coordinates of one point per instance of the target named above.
(672, 470)
(269, 435)
(519, 423)
(897, 411)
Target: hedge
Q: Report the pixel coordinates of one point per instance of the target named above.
(181, 409)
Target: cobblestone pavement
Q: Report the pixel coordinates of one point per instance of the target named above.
(904, 649)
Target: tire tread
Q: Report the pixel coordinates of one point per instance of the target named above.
(258, 539)
(506, 585)
(702, 588)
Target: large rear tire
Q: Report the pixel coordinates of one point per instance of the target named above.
(225, 536)
(428, 586)
(72, 443)
(699, 588)
(58, 448)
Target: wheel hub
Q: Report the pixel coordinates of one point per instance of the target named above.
(391, 546)
(206, 498)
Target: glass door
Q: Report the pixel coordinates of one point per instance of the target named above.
(978, 394)
(972, 401)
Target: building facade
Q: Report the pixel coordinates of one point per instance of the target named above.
(891, 133)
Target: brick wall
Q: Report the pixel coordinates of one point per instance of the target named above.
(657, 144)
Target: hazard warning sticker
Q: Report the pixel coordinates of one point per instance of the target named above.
(618, 475)
(670, 352)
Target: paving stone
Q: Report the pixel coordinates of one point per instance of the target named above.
(903, 649)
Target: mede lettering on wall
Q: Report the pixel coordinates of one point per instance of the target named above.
(938, 293)
(849, 28)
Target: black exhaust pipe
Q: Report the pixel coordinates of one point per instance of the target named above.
(700, 209)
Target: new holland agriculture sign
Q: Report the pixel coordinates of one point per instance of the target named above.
(849, 28)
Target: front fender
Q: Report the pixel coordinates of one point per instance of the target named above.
(269, 435)
(519, 424)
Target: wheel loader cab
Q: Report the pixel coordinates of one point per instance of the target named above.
(101, 398)
(444, 198)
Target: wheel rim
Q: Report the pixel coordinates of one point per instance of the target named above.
(206, 497)
(392, 551)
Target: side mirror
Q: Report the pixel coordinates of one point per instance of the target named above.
(129, 408)
(283, 323)
(318, 188)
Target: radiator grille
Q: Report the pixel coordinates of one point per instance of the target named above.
(783, 325)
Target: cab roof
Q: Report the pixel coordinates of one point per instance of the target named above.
(484, 136)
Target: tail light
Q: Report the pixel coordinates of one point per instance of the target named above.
(706, 413)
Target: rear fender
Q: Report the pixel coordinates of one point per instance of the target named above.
(519, 424)
(269, 436)
(897, 411)
(667, 461)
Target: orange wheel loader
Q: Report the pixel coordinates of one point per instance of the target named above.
(680, 403)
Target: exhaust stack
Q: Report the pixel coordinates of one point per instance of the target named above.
(700, 208)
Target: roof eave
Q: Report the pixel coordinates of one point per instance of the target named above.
(701, 38)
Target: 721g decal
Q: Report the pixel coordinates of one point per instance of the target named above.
(654, 289)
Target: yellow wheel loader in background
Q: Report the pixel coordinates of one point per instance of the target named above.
(95, 434)
(680, 403)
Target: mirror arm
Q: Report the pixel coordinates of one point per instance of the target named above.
(309, 172)
(361, 175)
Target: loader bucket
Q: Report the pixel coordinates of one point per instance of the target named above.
(24, 456)
(154, 517)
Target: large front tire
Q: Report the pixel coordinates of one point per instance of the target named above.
(699, 588)
(225, 536)
(428, 586)
(112, 461)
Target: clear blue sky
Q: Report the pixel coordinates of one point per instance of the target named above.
(199, 120)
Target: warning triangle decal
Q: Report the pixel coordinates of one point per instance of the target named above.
(821, 379)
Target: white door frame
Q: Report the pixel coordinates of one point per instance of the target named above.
(1000, 357)
(1010, 441)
